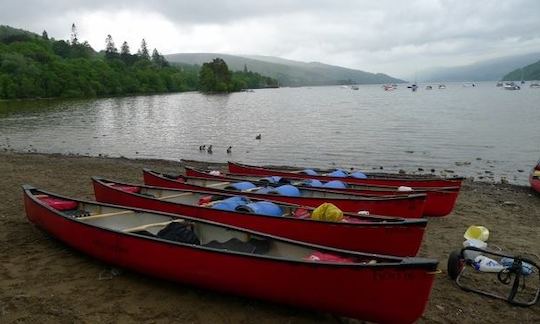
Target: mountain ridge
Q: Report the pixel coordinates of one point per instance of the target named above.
(289, 72)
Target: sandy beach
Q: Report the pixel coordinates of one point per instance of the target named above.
(44, 281)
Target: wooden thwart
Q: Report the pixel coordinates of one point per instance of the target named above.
(177, 195)
(106, 215)
(143, 227)
(218, 184)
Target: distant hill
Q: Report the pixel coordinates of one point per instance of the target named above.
(528, 73)
(489, 70)
(288, 72)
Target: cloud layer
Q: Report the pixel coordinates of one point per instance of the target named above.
(394, 37)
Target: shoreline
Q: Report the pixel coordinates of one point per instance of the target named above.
(445, 172)
(44, 280)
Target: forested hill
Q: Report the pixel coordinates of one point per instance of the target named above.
(288, 72)
(528, 73)
(36, 66)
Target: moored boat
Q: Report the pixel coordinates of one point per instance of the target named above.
(375, 234)
(354, 178)
(534, 177)
(439, 201)
(224, 258)
(410, 206)
(511, 86)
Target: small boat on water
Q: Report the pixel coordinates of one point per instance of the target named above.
(442, 86)
(511, 86)
(439, 201)
(500, 84)
(354, 87)
(413, 87)
(534, 177)
(374, 234)
(228, 259)
(534, 85)
(410, 206)
(378, 179)
(429, 87)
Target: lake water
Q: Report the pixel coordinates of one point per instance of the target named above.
(485, 131)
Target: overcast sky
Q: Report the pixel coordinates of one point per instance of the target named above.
(394, 37)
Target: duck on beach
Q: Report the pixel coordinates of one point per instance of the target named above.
(209, 149)
(202, 147)
(258, 137)
(229, 150)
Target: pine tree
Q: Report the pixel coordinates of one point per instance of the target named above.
(44, 35)
(245, 68)
(74, 35)
(124, 50)
(110, 48)
(143, 51)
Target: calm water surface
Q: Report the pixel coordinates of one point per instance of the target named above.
(492, 129)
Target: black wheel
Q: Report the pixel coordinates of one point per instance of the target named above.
(455, 264)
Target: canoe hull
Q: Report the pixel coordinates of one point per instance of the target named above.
(405, 207)
(438, 202)
(236, 168)
(384, 293)
(391, 239)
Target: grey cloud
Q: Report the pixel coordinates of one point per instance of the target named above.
(359, 34)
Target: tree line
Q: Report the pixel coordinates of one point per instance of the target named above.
(33, 66)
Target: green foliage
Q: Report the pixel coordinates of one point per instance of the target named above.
(215, 76)
(36, 66)
(528, 73)
(32, 66)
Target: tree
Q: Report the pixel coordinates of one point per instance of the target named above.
(215, 76)
(159, 59)
(124, 50)
(110, 48)
(44, 35)
(245, 68)
(143, 51)
(125, 54)
(74, 35)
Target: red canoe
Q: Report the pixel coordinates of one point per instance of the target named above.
(224, 258)
(439, 201)
(384, 235)
(534, 178)
(410, 206)
(378, 179)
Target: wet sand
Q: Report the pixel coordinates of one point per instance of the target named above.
(43, 281)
